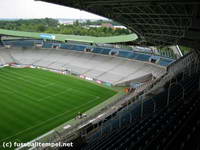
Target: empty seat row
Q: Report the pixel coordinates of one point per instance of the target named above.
(142, 122)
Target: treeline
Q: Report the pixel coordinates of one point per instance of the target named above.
(34, 25)
(48, 25)
(100, 22)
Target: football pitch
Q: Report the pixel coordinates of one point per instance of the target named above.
(34, 101)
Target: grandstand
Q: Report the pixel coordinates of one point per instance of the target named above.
(113, 69)
(105, 68)
(160, 108)
(5, 57)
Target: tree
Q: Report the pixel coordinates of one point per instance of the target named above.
(49, 25)
(41, 28)
(76, 23)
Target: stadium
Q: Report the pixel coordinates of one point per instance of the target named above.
(93, 93)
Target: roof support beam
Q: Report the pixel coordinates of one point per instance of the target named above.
(155, 21)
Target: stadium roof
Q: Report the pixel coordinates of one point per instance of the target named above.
(156, 22)
(63, 38)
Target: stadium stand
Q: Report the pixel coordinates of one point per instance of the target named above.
(149, 124)
(126, 54)
(47, 45)
(5, 57)
(164, 62)
(135, 55)
(76, 47)
(1, 42)
(22, 42)
(100, 50)
(142, 57)
(106, 68)
(137, 125)
(105, 51)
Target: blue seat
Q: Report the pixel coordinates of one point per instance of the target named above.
(65, 46)
(125, 118)
(47, 45)
(97, 50)
(148, 107)
(115, 124)
(125, 54)
(136, 112)
(164, 62)
(79, 47)
(20, 43)
(161, 100)
(75, 47)
(105, 51)
(142, 57)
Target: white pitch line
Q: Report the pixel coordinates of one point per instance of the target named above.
(16, 92)
(7, 92)
(50, 84)
(1, 140)
(21, 77)
(28, 76)
(60, 93)
(96, 97)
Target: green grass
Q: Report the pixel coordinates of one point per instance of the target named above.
(33, 101)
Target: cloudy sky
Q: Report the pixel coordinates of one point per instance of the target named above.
(38, 9)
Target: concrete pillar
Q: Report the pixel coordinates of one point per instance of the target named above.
(176, 50)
